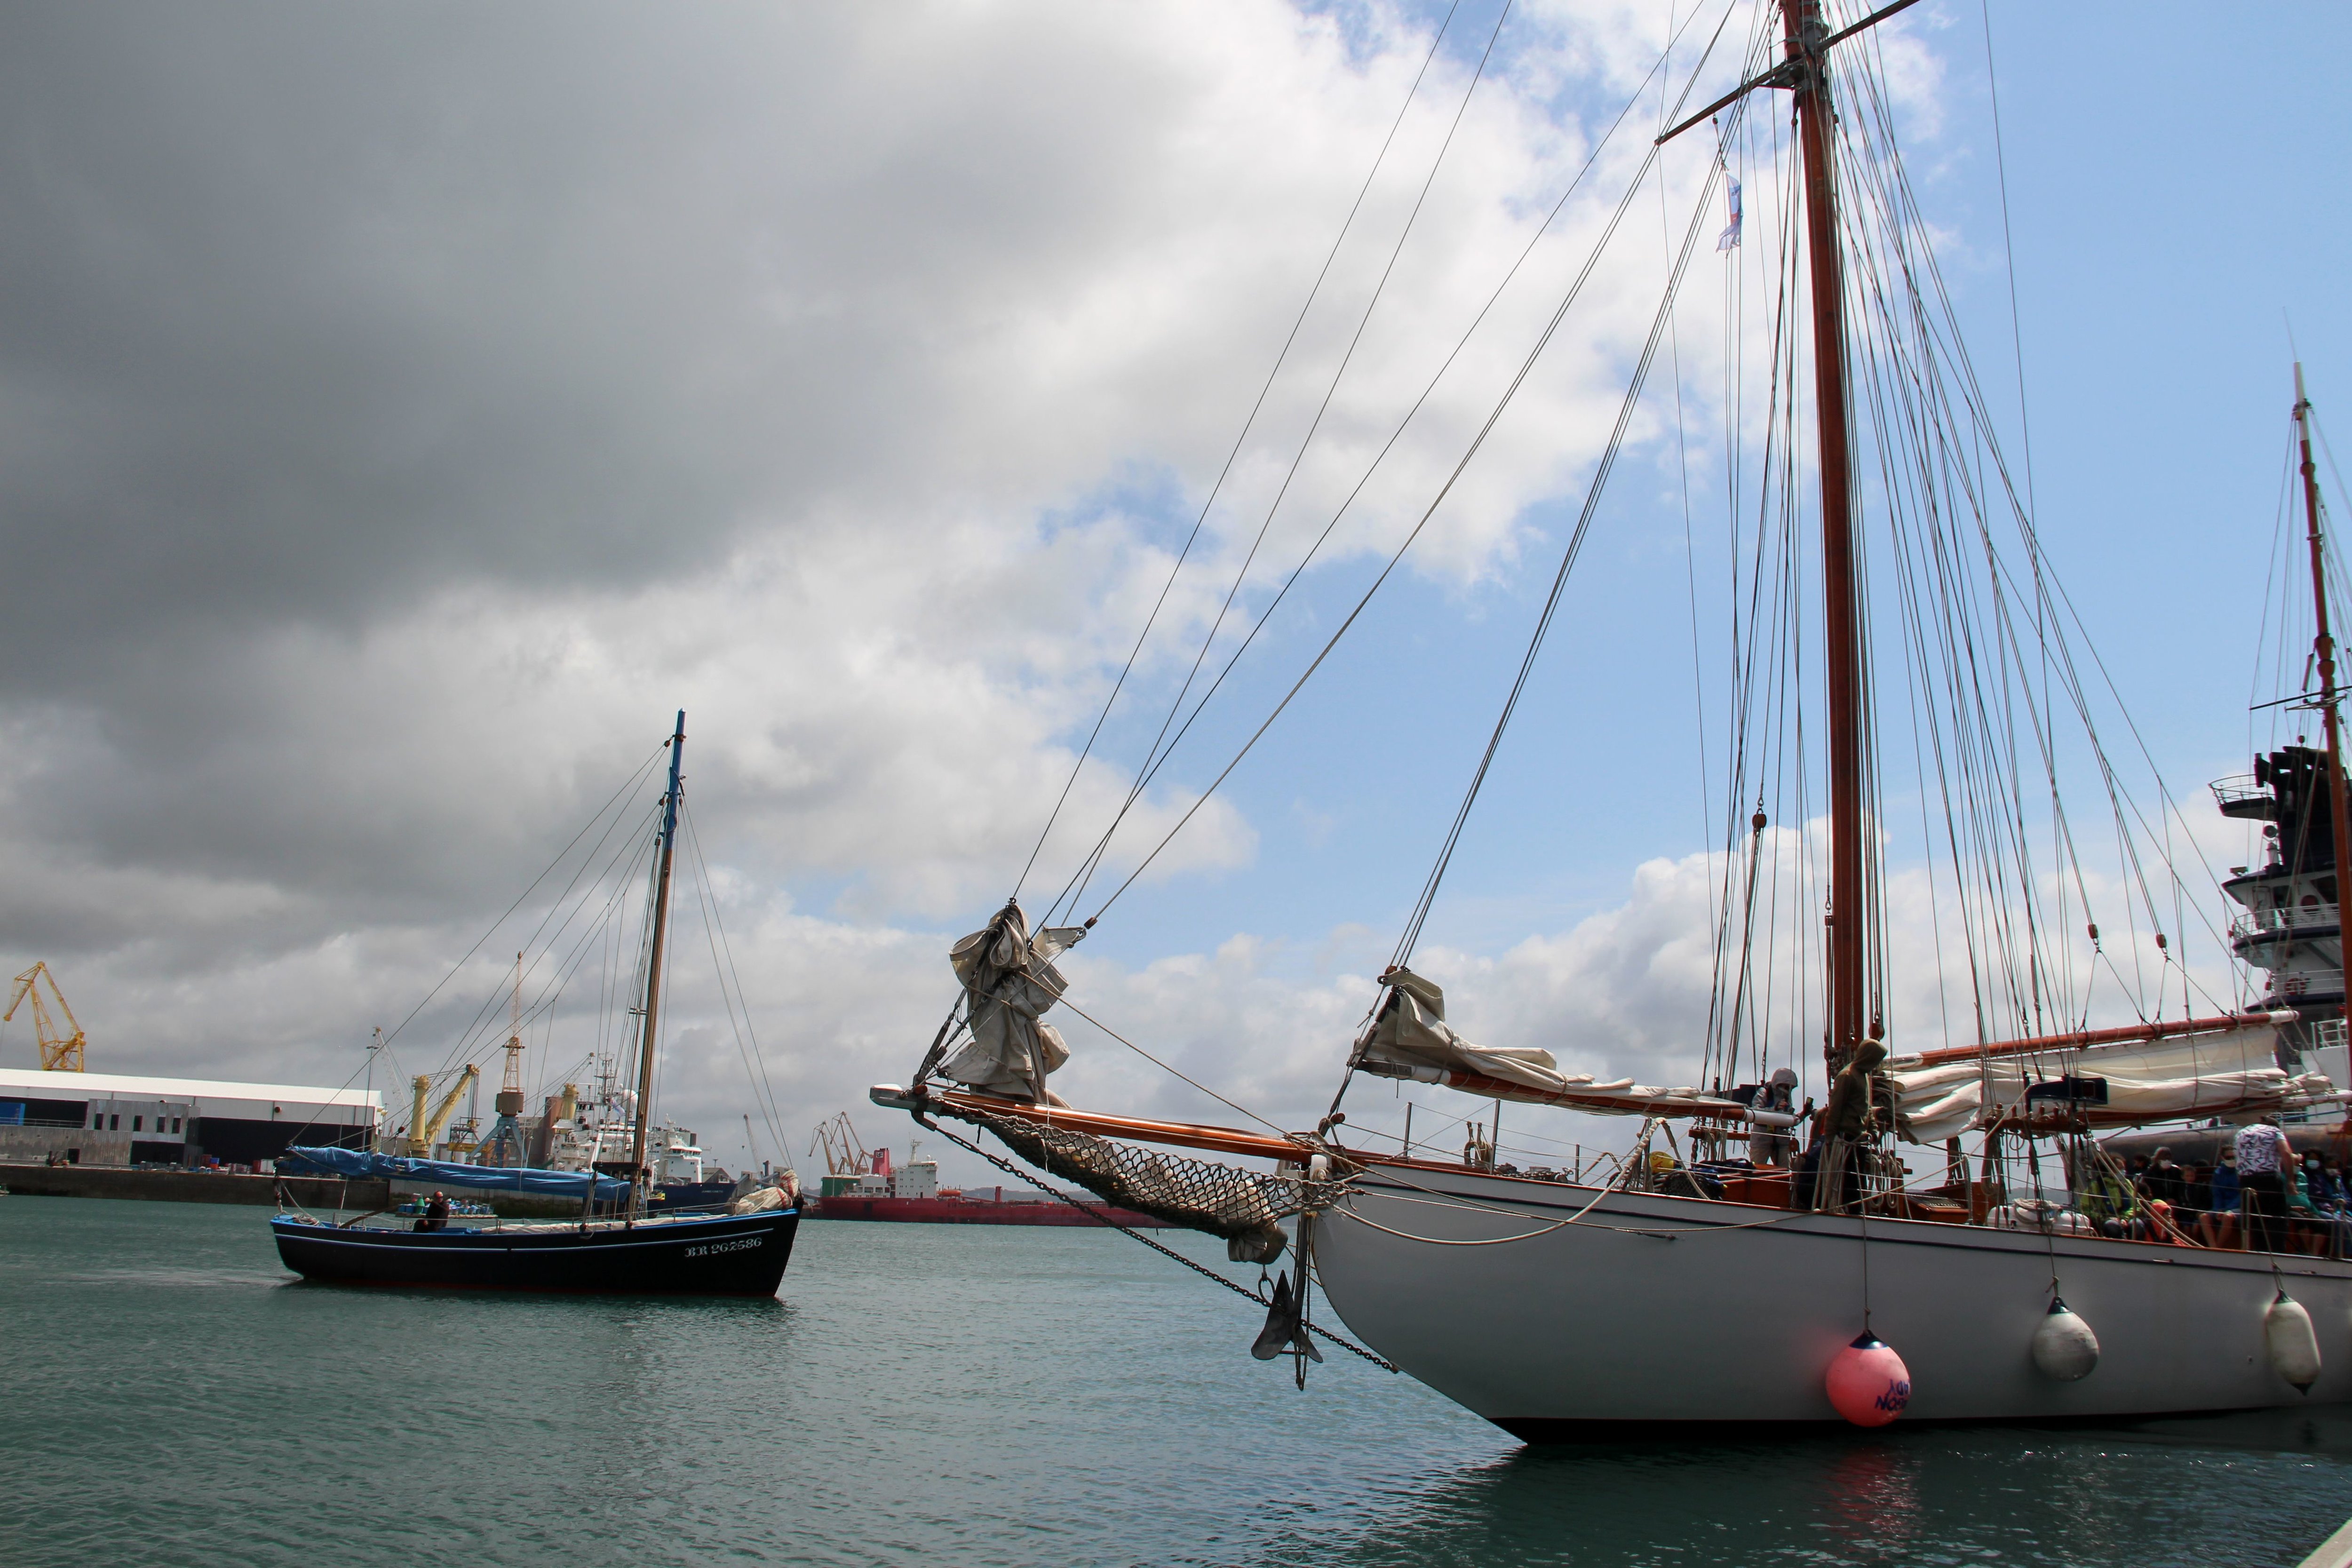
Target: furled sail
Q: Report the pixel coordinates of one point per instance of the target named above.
(360, 1164)
(1009, 982)
(1412, 1039)
(2227, 1072)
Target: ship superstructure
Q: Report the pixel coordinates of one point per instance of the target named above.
(2290, 929)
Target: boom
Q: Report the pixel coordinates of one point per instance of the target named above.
(425, 1127)
(59, 1053)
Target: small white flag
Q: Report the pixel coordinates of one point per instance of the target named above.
(1729, 238)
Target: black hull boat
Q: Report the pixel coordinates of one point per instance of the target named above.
(716, 1255)
(739, 1252)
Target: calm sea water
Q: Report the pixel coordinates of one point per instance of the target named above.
(948, 1394)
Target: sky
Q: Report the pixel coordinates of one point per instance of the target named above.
(405, 409)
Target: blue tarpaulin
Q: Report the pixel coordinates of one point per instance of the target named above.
(446, 1173)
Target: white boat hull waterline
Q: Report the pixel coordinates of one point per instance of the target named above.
(1654, 1311)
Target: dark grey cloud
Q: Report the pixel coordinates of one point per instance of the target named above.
(309, 310)
(403, 408)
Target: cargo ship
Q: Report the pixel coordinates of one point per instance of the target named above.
(862, 1184)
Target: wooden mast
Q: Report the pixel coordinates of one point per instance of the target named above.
(1850, 904)
(2323, 645)
(654, 973)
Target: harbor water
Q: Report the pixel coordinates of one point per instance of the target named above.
(954, 1394)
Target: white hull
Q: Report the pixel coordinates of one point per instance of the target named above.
(1737, 1317)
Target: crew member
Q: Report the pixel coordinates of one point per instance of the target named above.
(2262, 1161)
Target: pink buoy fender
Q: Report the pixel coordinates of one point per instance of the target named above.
(1868, 1383)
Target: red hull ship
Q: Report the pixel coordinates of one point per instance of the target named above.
(953, 1207)
(859, 1185)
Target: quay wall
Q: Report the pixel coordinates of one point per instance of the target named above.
(188, 1186)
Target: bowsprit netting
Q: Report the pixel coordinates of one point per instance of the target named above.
(1243, 1206)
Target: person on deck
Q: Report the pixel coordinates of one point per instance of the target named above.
(2312, 1204)
(2218, 1225)
(2198, 1197)
(2107, 1200)
(436, 1213)
(2265, 1162)
(2164, 1180)
(2336, 1210)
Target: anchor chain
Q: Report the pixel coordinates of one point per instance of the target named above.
(1247, 1294)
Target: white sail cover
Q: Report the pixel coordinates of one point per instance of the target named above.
(2226, 1072)
(1009, 981)
(1412, 1033)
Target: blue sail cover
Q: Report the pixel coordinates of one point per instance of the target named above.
(445, 1173)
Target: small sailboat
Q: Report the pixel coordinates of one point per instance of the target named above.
(1779, 1263)
(739, 1251)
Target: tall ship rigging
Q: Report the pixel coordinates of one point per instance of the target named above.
(1865, 1206)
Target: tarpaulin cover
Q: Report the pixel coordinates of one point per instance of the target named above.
(446, 1173)
(1010, 981)
(1412, 1033)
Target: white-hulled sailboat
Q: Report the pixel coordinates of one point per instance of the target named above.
(1755, 1270)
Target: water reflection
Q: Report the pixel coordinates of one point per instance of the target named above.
(2261, 1489)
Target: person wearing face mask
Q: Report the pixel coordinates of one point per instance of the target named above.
(2322, 1197)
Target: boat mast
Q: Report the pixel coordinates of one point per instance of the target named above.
(2323, 645)
(654, 971)
(1849, 901)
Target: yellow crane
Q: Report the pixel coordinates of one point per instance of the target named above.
(423, 1128)
(59, 1053)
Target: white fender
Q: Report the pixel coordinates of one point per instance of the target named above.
(2063, 1346)
(2293, 1348)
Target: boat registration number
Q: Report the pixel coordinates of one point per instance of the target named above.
(708, 1247)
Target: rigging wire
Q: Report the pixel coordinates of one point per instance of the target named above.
(1247, 425)
(1101, 845)
(626, 788)
(1501, 406)
(1331, 389)
(763, 1089)
(1601, 471)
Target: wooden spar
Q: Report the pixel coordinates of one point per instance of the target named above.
(1605, 1102)
(1180, 1134)
(2083, 1038)
(1297, 1146)
(1850, 905)
(2323, 644)
(654, 973)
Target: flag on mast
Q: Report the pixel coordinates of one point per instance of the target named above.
(1729, 238)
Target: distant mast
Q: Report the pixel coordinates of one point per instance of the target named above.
(654, 971)
(2324, 646)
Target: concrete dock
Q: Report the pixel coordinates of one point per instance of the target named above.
(189, 1186)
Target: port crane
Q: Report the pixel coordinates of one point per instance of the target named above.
(59, 1053)
(423, 1128)
(838, 1141)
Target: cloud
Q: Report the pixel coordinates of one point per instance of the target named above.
(408, 409)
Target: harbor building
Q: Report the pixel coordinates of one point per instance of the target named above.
(120, 1118)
